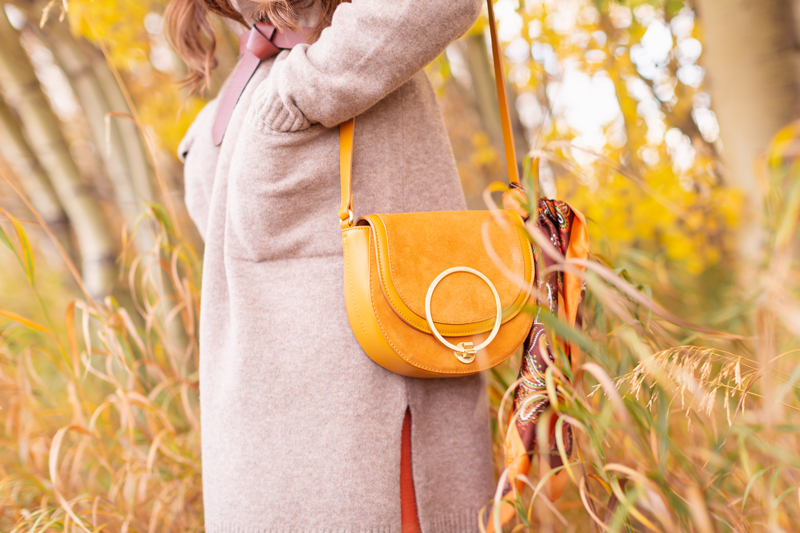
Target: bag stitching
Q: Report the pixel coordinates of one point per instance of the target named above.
(397, 350)
(435, 371)
(391, 269)
(422, 366)
(399, 312)
(352, 291)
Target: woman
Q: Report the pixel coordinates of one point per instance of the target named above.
(301, 430)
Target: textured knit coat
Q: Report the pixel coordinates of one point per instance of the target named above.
(300, 429)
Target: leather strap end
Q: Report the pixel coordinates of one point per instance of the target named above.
(346, 135)
(256, 45)
(260, 45)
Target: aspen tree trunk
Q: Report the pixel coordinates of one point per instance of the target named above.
(750, 58)
(16, 151)
(123, 148)
(481, 72)
(131, 136)
(139, 167)
(483, 87)
(48, 143)
(126, 165)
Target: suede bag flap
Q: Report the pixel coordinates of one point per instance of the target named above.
(412, 249)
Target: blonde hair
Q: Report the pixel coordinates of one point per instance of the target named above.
(191, 34)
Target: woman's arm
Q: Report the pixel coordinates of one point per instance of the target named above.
(371, 48)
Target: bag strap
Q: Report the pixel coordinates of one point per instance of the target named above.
(502, 98)
(347, 130)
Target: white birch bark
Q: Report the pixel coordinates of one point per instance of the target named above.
(47, 141)
(17, 153)
(121, 151)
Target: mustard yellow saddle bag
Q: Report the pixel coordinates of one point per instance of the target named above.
(425, 296)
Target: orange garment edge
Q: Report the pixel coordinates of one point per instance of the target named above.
(408, 500)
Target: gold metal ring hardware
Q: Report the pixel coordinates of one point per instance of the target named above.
(464, 351)
(468, 354)
(347, 222)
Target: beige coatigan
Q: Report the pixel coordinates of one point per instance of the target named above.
(301, 430)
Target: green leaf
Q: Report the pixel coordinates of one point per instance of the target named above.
(787, 225)
(26, 246)
(564, 330)
(751, 483)
(4, 239)
(160, 214)
(521, 510)
(500, 379)
(784, 494)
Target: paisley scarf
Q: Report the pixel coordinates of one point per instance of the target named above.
(560, 294)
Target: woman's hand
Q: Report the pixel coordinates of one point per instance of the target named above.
(275, 111)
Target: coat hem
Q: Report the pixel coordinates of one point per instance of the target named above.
(227, 527)
(459, 522)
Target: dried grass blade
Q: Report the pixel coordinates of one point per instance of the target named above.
(55, 447)
(587, 505)
(25, 321)
(610, 389)
(72, 338)
(631, 507)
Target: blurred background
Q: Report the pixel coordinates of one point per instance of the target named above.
(668, 123)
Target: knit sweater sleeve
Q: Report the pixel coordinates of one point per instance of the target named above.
(371, 48)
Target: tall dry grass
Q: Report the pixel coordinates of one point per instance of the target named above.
(100, 412)
(678, 426)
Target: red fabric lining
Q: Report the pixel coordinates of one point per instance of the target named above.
(408, 500)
